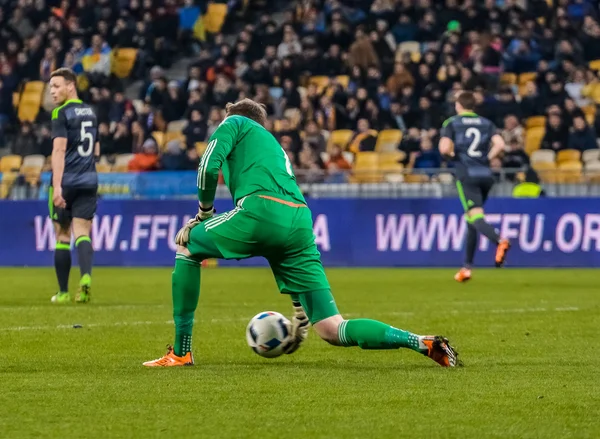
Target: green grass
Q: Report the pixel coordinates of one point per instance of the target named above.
(527, 337)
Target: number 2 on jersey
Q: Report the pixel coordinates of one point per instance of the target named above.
(476, 135)
(87, 140)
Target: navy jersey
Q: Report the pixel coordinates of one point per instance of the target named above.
(77, 122)
(472, 138)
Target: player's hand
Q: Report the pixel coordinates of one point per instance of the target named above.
(299, 330)
(183, 236)
(57, 198)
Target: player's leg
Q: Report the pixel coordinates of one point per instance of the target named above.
(301, 275)
(83, 210)
(504, 244)
(208, 240)
(370, 334)
(62, 261)
(62, 252)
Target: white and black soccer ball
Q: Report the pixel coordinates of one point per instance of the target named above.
(267, 333)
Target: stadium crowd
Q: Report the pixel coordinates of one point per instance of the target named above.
(338, 78)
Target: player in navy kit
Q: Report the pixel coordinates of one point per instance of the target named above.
(472, 141)
(74, 186)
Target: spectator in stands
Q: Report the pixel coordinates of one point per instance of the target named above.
(290, 45)
(196, 129)
(310, 165)
(582, 136)
(96, 61)
(146, 159)
(173, 106)
(515, 157)
(48, 64)
(25, 143)
(44, 140)
(105, 139)
(174, 158)
(362, 53)
(400, 79)
(336, 161)
(314, 136)
(513, 130)
(531, 103)
(364, 139)
(574, 87)
(557, 135)
(214, 120)
(122, 142)
(427, 157)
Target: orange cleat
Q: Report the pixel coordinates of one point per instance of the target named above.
(463, 275)
(440, 351)
(170, 360)
(501, 251)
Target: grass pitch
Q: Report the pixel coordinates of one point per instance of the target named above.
(528, 339)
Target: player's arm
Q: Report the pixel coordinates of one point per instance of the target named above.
(59, 150)
(498, 146)
(446, 145)
(97, 151)
(219, 146)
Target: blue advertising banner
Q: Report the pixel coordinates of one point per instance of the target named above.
(547, 232)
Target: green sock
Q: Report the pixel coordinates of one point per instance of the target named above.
(371, 334)
(186, 293)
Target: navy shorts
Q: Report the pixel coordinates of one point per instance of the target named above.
(81, 203)
(474, 191)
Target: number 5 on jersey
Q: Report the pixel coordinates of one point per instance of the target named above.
(87, 140)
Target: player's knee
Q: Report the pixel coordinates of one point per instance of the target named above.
(474, 211)
(328, 329)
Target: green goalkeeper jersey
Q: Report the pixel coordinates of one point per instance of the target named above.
(252, 161)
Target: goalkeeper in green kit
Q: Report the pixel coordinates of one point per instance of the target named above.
(271, 219)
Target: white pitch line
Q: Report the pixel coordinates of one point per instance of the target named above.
(245, 319)
(45, 307)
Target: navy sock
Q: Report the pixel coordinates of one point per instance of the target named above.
(62, 265)
(485, 228)
(471, 245)
(85, 252)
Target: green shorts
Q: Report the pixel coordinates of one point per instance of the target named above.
(262, 225)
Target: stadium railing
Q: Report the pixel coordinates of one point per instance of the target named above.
(436, 183)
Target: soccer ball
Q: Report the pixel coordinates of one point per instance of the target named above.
(267, 333)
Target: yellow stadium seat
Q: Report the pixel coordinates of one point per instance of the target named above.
(535, 122)
(35, 161)
(415, 57)
(568, 155)
(591, 155)
(546, 171)
(120, 169)
(175, 135)
(366, 167)
(341, 138)
(592, 171)
(16, 97)
(159, 137)
(589, 109)
(416, 178)
(8, 179)
(343, 80)
(177, 125)
(215, 17)
(10, 163)
(409, 46)
(200, 147)
(34, 87)
(524, 78)
(321, 82)
(595, 65)
(31, 174)
(570, 172)
(388, 140)
(543, 155)
(389, 162)
(123, 61)
(508, 78)
(590, 118)
(533, 139)
(103, 168)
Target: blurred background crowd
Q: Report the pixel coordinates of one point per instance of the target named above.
(354, 85)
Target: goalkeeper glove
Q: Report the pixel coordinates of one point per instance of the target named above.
(183, 236)
(299, 331)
